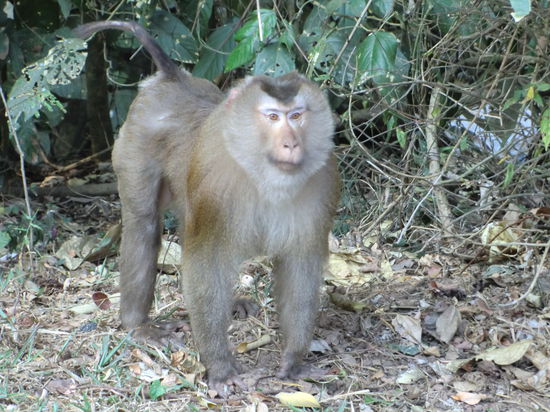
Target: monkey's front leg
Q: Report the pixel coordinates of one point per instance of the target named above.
(297, 283)
(207, 289)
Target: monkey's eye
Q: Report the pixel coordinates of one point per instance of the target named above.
(273, 116)
(295, 115)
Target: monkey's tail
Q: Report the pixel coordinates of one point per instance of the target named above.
(163, 62)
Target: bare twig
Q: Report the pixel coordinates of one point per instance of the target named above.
(540, 270)
(434, 166)
(13, 132)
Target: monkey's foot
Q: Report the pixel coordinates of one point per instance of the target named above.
(243, 308)
(299, 371)
(161, 334)
(224, 378)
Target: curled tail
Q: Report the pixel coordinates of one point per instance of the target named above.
(164, 63)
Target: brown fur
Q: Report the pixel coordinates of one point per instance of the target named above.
(186, 144)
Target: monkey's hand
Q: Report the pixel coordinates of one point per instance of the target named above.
(161, 333)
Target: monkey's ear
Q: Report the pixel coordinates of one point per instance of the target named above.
(233, 94)
(236, 91)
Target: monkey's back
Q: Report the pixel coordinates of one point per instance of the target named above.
(163, 122)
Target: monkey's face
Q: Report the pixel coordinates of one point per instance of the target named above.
(280, 129)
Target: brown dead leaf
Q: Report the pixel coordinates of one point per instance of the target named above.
(408, 328)
(101, 300)
(447, 324)
(506, 355)
(541, 212)
(146, 359)
(469, 398)
(62, 386)
(177, 357)
(345, 303)
(434, 271)
(135, 368)
(106, 246)
(538, 359)
(499, 237)
(427, 260)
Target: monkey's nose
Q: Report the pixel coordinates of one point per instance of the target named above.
(291, 145)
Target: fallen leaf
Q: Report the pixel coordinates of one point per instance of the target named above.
(469, 398)
(447, 324)
(135, 368)
(298, 399)
(498, 236)
(464, 386)
(434, 271)
(101, 300)
(106, 246)
(409, 328)
(506, 355)
(345, 303)
(385, 269)
(169, 257)
(62, 386)
(410, 376)
(319, 345)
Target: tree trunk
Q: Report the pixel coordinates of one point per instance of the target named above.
(97, 107)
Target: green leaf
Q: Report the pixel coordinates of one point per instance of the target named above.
(66, 7)
(120, 104)
(521, 9)
(4, 43)
(248, 37)
(241, 55)
(545, 128)
(251, 29)
(401, 137)
(376, 56)
(334, 5)
(205, 12)
(274, 60)
(510, 170)
(288, 37)
(174, 37)
(64, 61)
(444, 12)
(354, 8)
(24, 99)
(5, 239)
(382, 8)
(156, 390)
(542, 87)
(213, 57)
(31, 92)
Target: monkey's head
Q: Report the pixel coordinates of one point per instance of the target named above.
(280, 129)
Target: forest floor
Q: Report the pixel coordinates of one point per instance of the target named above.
(397, 331)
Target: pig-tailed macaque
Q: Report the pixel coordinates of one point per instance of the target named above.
(249, 173)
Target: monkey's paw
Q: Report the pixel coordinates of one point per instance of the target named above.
(299, 371)
(161, 334)
(224, 378)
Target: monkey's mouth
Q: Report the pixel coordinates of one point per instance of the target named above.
(285, 165)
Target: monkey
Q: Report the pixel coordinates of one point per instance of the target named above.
(248, 173)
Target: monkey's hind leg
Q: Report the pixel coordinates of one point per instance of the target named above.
(139, 181)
